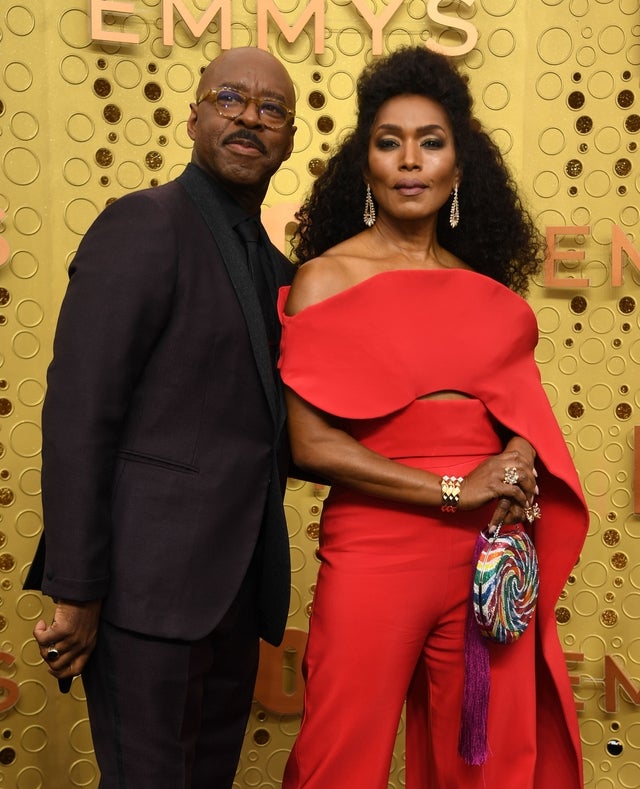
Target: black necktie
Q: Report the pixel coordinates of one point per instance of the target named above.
(249, 231)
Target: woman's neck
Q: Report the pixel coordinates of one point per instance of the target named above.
(415, 243)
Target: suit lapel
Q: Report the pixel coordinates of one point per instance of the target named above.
(195, 181)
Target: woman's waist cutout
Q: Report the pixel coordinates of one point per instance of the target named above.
(431, 427)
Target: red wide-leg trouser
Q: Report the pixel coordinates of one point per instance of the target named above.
(388, 626)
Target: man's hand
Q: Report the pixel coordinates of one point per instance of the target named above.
(70, 638)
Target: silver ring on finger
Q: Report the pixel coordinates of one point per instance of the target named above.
(52, 654)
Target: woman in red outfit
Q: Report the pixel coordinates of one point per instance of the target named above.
(408, 356)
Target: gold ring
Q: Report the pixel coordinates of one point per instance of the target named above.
(511, 475)
(533, 513)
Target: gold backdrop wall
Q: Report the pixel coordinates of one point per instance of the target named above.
(83, 121)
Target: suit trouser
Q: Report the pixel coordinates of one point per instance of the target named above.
(388, 625)
(172, 714)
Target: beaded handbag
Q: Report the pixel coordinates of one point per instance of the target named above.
(505, 584)
(503, 600)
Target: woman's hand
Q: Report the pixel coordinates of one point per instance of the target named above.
(515, 489)
(507, 511)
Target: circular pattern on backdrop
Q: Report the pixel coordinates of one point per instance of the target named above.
(27, 220)
(34, 739)
(127, 74)
(549, 85)
(554, 46)
(80, 127)
(501, 43)
(76, 171)
(73, 69)
(24, 264)
(552, 141)
(122, 111)
(24, 126)
(21, 166)
(20, 20)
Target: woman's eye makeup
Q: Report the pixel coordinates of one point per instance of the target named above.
(433, 142)
(386, 142)
(390, 142)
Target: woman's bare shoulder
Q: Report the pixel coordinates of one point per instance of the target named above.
(322, 277)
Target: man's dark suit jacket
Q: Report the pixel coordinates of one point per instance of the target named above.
(163, 423)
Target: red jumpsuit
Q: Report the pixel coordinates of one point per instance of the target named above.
(394, 581)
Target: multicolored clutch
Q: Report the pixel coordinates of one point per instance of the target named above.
(501, 605)
(505, 584)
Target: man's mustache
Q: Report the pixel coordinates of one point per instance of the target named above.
(245, 134)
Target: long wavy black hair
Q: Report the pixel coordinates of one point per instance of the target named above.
(496, 235)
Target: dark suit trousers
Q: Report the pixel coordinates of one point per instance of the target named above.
(172, 714)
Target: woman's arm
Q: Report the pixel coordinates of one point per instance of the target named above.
(321, 446)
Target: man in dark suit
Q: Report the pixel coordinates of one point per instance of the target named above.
(164, 460)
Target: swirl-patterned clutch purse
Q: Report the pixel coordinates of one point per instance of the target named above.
(502, 602)
(505, 584)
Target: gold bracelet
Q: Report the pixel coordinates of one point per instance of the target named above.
(450, 493)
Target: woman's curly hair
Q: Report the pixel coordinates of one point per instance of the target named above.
(496, 235)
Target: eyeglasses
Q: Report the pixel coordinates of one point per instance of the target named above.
(231, 103)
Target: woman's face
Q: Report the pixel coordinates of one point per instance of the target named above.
(412, 159)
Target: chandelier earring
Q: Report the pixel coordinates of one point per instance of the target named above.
(454, 214)
(369, 215)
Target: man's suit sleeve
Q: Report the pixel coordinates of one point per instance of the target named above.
(117, 303)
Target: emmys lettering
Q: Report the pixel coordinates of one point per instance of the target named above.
(619, 243)
(5, 250)
(110, 17)
(9, 690)
(280, 686)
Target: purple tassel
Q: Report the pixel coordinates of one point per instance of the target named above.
(472, 742)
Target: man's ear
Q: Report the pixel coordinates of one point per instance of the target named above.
(294, 129)
(191, 120)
